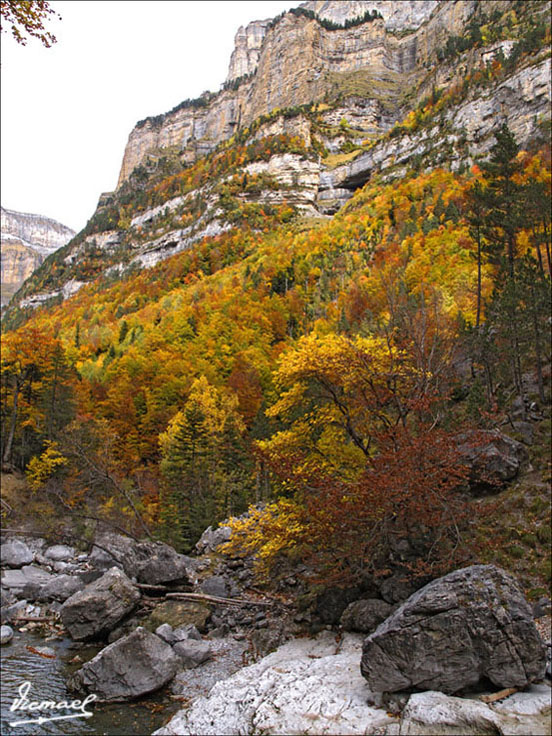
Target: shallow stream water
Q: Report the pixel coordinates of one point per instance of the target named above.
(47, 677)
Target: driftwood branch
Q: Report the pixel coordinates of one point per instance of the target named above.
(202, 597)
(499, 695)
(33, 619)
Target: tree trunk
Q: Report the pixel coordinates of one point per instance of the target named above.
(13, 423)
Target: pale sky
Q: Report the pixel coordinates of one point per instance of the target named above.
(67, 111)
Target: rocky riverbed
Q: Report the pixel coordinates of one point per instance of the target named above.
(195, 632)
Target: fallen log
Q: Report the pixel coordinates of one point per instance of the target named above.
(202, 597)
(158, 588)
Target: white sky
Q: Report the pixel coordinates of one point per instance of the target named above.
(67, 111)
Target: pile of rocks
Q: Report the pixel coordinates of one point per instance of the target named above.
(470, 627)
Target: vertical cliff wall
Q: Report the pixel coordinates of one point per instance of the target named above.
(296, 60)
(26, 240)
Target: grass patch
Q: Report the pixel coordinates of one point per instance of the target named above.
(333, 160)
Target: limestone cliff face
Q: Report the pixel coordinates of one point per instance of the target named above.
(297, 60)
(398, 16)
(368, 77)
(247, 48)
(26, 241)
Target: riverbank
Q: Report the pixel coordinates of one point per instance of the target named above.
(158, 631)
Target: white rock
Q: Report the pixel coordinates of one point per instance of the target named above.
(303, 687)
(60, 553)
(437, 713)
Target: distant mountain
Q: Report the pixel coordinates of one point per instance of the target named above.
(26, 241)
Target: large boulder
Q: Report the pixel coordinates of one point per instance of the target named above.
(471, 624)
(365, 615)
(114, 550)
(131, 667)
(160, 564)
(15, 553)
(153, 563)
(492, 458)
(96, 610)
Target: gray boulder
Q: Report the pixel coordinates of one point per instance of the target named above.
(213, 538)
(15, 553)
(365, 615)
(6, 634)
(61, 587)
(493, 458)
(160, 564)
(131, 667)
(26, 581)
(114, 550)
(186, 632)
(216, 585)
(471, 624)
(60, 553)
(192, 653)
(96, 610)
(153, 563)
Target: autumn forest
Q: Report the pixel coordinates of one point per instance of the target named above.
(321, 371)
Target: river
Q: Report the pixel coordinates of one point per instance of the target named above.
(47, 677)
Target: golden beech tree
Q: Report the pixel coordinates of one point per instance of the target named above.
(368, 479)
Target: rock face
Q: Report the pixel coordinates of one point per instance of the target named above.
(133, 666)
(296, 61)
(26, 241)
(247, 48)
(96, 610)
(471, 624)
(370, 76)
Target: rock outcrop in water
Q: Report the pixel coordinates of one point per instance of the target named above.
(131, 667)
(100, 606)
